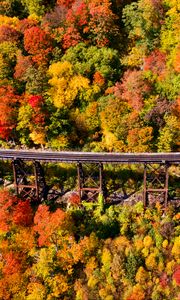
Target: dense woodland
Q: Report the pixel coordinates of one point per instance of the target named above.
(115, 253)
(90, 75)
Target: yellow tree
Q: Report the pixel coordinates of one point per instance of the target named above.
(139, 139)
(65, 84)
(114, 123)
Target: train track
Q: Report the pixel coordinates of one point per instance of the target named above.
(90, 157)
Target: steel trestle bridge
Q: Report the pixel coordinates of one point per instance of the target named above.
(155, 178)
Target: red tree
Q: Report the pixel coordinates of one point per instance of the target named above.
(9, 34)
(38, 43)
(133, 89)
(176, 275)
(35, 101)
(7, 201)
(46, 223)
(25, 24)
(23, 214)
(22, 65)
(12, 265)
(90, 20)
(66, 3)
(156, 63)
(14, 211)
(38, 115)
(8, 111)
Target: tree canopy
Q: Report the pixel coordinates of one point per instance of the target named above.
(108, 74)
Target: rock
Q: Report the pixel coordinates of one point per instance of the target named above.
(133, 199)
(68, 195)
(10, 186)
(70, 198)
(7, 182)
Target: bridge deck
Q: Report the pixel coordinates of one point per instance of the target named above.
(90, 157)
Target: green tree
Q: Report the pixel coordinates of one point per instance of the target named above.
(8, 52)
(169, 137)
(87, 60)
(37, 7)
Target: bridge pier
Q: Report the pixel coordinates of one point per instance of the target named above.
(23, 187)
(156, 179)
(90, 181)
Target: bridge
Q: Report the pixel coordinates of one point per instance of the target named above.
(155, 178)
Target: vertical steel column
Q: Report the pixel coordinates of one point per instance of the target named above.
(79, 173)
(40, 182)
(15, 178)
(156, 181)
(145, 186)
(166, 184)
(101, 178)
(36, 181)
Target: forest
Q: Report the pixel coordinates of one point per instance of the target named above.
(97, 76)
(104, 253)
(90, 75)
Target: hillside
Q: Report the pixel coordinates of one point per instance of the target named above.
(90, 75)
(119, 252)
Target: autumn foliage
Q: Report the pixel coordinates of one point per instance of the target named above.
(14, 211)
(123, 252)
(37, 43)
(121, 57)
(93, 76)
(46, 223)
(8, 111)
